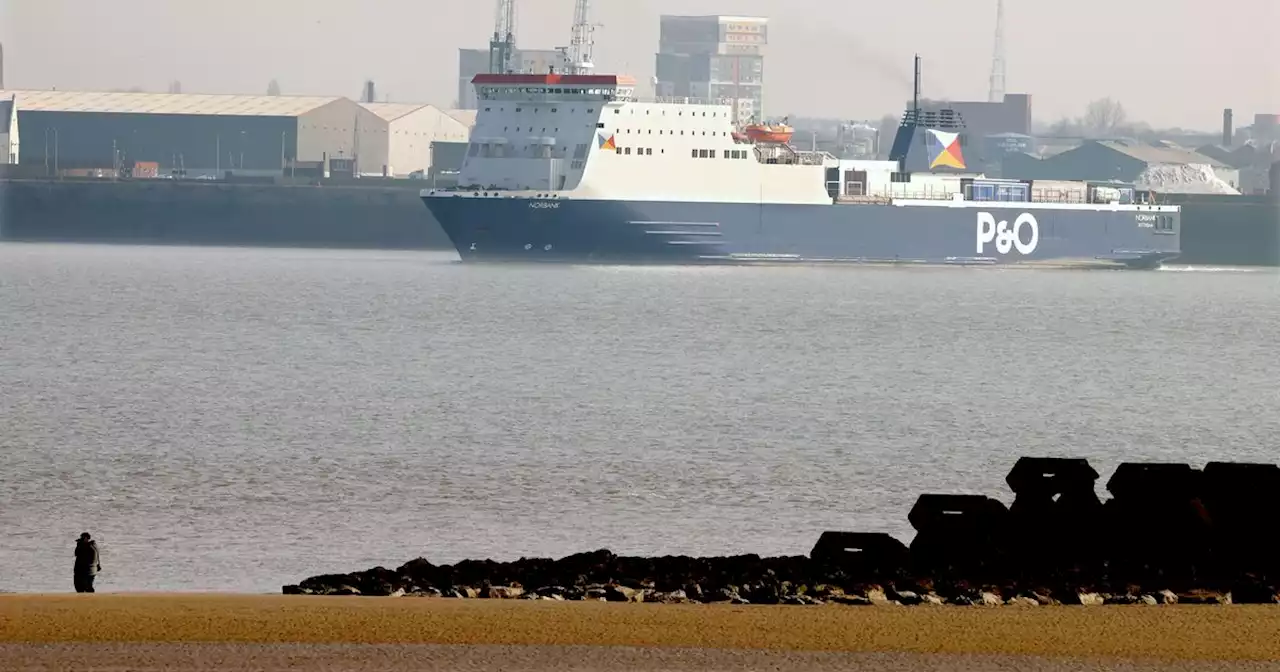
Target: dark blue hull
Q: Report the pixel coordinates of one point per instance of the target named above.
(592, 231)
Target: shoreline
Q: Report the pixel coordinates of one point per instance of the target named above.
(1221, 633)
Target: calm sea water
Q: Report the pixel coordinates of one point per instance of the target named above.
(236, 419)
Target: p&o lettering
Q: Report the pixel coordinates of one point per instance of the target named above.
(1023, 235)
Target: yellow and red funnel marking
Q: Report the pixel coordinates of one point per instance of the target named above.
(944, 150)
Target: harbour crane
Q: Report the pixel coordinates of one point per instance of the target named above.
(503, 44)
(581, 40)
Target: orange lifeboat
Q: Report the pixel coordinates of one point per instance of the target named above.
(779, 134)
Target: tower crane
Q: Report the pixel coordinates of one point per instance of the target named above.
(503, 43)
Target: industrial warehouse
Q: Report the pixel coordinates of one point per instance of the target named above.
(156, 135)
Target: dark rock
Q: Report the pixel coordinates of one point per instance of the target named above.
(548, 591)
(905, 597)
(673, 597)
(726, 594)
(851, 600)
(1205, 536)
(1253, 592)
(1203, 597)
(504, 592)
(623, 594)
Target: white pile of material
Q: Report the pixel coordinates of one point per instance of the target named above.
(1193, 178)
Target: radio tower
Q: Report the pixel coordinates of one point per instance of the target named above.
(504, 42)
(581, 39)
(996, 94)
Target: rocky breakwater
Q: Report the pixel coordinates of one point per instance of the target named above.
(1169, 533)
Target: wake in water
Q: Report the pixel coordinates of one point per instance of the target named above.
(1216, 269)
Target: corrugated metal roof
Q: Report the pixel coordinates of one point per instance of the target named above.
(467, 117)
(112, 102)
(1151, 154)
(393, 111)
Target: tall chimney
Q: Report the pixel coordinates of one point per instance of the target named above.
(1228, 132)
(369, 93)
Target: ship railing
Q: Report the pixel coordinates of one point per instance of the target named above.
(933, 195)
(686, 100)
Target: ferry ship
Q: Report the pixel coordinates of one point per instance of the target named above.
(576, 169)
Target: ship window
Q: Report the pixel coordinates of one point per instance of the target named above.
(590, 110)
(486, 109)
(600, 125)
(648, 151)
(519, 109)
(617, 111)
(711, 153)
(702, 153)
(618, 149)
(554, 109)
(628, 151)
(695, 153)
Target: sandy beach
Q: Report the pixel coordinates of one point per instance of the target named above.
(267, 632)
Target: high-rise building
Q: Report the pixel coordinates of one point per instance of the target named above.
(714, 57)
(472, 62)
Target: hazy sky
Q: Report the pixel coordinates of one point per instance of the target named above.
(1171, 62)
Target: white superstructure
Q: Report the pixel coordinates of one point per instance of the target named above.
(587, 136)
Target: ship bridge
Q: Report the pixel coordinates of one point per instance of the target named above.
(589, 136)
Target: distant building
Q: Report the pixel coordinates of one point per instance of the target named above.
(1158, 168)
(9, 140)
(195, 135)
(981, 118)
(1253, 159)
(411, 131)
(472, 62)
(714, 57)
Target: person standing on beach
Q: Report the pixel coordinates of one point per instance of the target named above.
(87, 564)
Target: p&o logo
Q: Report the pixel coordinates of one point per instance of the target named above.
(1023, 235)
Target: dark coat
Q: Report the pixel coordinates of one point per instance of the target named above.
(87, 561)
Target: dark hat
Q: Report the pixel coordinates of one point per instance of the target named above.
(84, 536)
